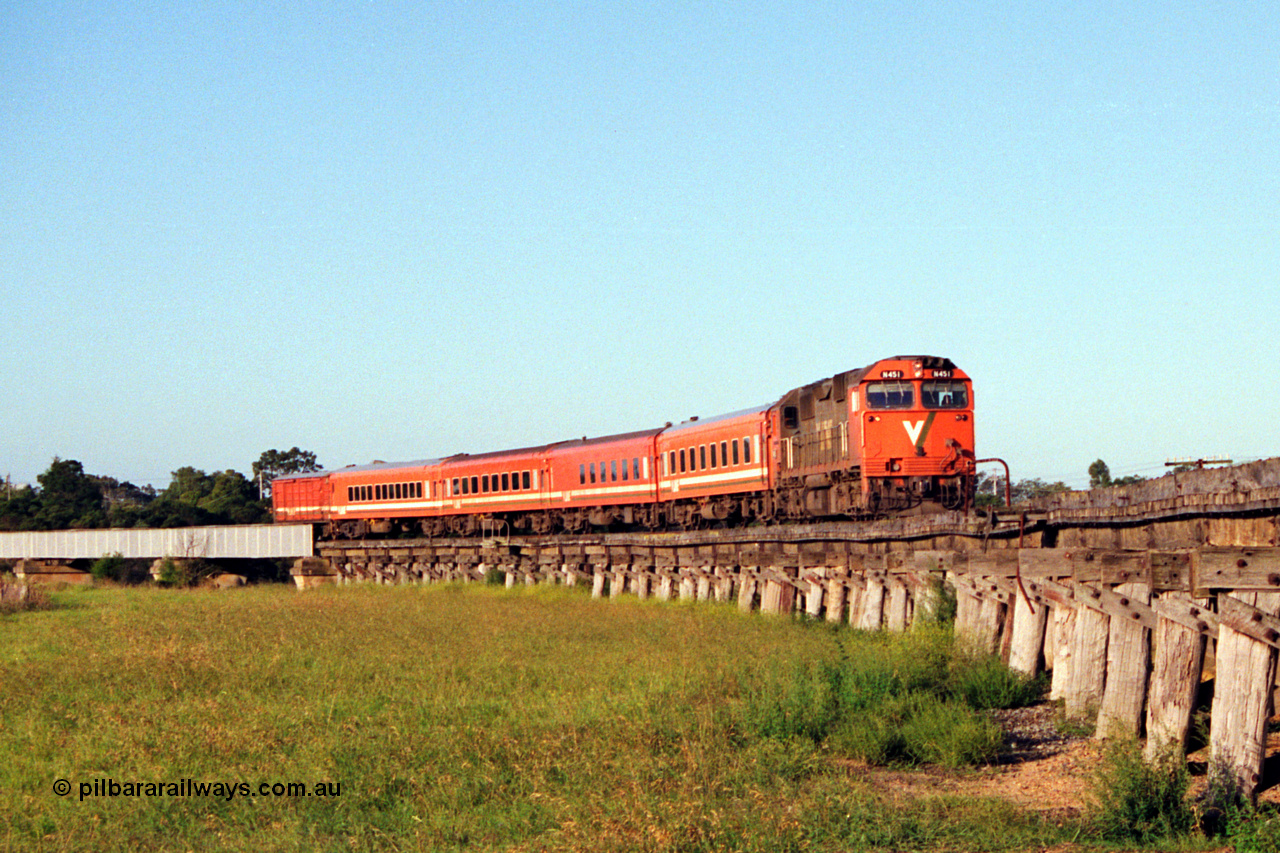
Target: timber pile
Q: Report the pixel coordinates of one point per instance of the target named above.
(1125, 616)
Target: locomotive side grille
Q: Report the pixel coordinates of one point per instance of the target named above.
(826, 446)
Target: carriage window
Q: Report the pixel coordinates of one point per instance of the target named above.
(890, 395)
(635, 468)
(624, 470)
(484, 483)
(399, 491)
(724, 453)
(944, 395)
(672, 469)
(746, 451)
(582, 475)
(613, 470)
(682, 460)
(593, 472)
(525, 477)
(736, 457)
(713, 456)
(702, 456)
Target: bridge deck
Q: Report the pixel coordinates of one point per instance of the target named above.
(242, 542)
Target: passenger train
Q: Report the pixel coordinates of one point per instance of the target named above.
(889, 438)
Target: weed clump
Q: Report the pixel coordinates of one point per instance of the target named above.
(913, 698)
(1141, 801)
(16, 597)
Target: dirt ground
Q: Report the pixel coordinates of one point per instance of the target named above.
(1046, 770)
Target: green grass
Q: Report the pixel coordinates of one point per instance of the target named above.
(466, 718)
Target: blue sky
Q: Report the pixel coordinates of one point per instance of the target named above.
(396, 231)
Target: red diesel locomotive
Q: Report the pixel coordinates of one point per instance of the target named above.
(883, 439)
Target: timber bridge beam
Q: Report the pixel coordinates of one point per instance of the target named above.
(1130, 597)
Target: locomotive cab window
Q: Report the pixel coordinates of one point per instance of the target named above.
(890, 395)
(944, 395)
(791, 417)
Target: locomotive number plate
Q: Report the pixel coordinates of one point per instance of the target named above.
(942, 374)
(891, 374)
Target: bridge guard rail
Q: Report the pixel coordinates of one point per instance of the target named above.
(235, 542)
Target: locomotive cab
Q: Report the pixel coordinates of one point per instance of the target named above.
(888, 437)
(915, 418)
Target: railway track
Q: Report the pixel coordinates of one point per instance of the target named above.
(1165, 506)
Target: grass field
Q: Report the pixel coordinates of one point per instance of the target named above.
(452, 718)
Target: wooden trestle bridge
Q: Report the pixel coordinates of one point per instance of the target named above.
(1134, 598)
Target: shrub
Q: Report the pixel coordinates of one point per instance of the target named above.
(109, 567)
(1253, 829)
(173, 573)
(1138, 800)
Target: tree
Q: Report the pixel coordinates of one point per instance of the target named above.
(233, 499)
(273, 463)
(989, 490)
(1099, 475)
(1026, 490)
(18, 508)
(69, 498)
(196, 498)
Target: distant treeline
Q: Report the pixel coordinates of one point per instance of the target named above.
(68, 498)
